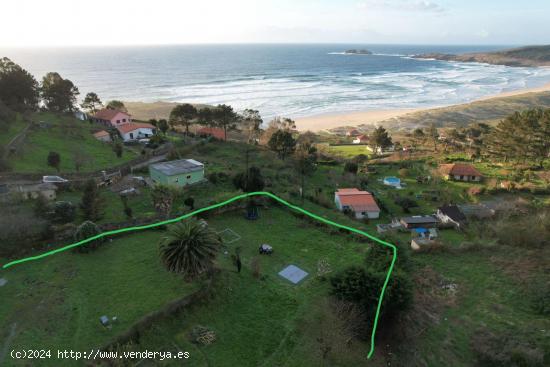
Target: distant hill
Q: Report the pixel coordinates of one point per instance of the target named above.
(523, 56)
(488, 111)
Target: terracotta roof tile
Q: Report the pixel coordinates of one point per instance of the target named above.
(126, 128)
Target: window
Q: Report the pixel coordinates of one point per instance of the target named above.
(188, 176)
(123, 120)
(131, 135)
(461, 177)
(118, 121)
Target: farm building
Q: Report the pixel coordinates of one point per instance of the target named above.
(112, 118)
(182, 172)
(419, 221)
(361, 203)
(451, 214)
(32, 191)
(102, 135)
(361, 139)
(135, 131)
(460, 172)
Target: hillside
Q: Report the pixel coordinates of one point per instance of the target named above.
(522, 56)
(489, 111)
(69, 137)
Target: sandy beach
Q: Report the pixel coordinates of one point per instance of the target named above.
(330, 121)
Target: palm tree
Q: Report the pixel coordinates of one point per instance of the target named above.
(189, 248)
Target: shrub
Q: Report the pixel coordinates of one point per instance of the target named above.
(190, 202)
(406, 203)
(363, 286)
(64, 212)
(351, 167)
(86, 230)
(403, 172)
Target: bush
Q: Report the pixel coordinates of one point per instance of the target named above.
(86, 230)
(363, 286)
(406, 203)
(64, 212)
(351, 167)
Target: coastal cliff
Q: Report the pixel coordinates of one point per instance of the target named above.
(523, 56)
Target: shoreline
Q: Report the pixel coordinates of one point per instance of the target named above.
(329, 121)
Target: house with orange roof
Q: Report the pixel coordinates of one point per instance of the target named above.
(102, 135)
(460, 172)
(361, 203)
(112, 118)
(135, 131)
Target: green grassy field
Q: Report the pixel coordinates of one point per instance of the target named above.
(263, 321)
(348, 151)
(56, 302)
(14, 128)
(69, 137)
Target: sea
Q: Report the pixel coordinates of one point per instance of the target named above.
(290, 80)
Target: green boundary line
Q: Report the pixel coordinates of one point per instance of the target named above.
(238, 197)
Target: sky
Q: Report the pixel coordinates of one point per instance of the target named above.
(26, 23)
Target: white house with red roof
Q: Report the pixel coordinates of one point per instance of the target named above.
(112, 118)
(361, 139)
(135, 131)
(102, 135)
(361, 203)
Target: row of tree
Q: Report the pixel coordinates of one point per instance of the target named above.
(222, 116)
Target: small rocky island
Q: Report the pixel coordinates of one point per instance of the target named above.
(357, 52)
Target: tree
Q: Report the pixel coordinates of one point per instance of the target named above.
(118, 149)
(253, 181)
(54, 160)
(91, 201)
(433, 133)
(116, 105)
(226, 118)
(19, 90)
(418, 137)
(252, 121)
(306, 158)
(380, 139)
(64, 212)
(205, 116)
(84, 231)
(521, 136)
(351, 167)
(282, 143)
(163, 126)
(91, 102)
(189, 248)
(41, 206)
(183, 114)
(163, 197)
(59, 94)
(276, 124)
(362, 286)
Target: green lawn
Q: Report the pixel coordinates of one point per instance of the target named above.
(69, 137)
(14, 128)
(56, 302)
(349, 151)
(266, 321)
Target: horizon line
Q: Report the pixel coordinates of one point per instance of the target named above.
(265, 43)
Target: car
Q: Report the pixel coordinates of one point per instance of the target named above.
(53, 179)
